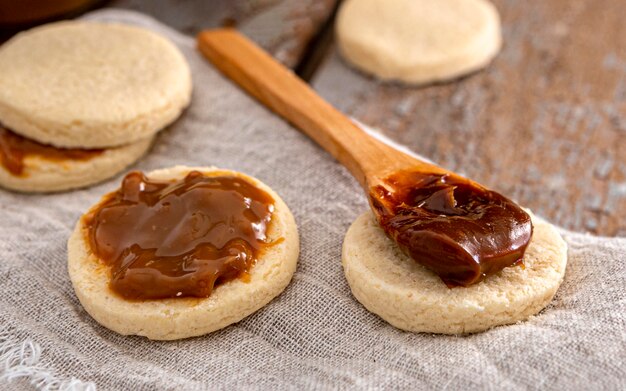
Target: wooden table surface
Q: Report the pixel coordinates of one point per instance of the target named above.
(544, 124)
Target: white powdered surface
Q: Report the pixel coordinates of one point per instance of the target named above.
(315, 335)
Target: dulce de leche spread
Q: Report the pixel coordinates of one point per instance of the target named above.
(454, 227)
(14, 149)
(178, 238)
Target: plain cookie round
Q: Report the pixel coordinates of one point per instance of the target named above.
(170, 319)
(418, 41)
(91, 85)
(45, 176)
(410, 297)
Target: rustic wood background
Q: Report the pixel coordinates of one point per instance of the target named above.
(544, 124)
(283, 27)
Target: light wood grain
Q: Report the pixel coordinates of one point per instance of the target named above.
(282, 27)
(369, 160)
(545, 124)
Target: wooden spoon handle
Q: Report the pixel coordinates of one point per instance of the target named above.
(283, 92)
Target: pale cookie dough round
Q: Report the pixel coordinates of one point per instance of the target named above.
(418, 41)
(169, 319)
(42, 175)
(91, 85)
(410, 297)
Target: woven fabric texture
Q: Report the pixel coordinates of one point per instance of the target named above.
(313, 336)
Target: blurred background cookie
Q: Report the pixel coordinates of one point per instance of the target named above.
(418, 41)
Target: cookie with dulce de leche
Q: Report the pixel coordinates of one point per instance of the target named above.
(181, 252)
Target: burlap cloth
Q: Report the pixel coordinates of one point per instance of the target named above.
(315, 335)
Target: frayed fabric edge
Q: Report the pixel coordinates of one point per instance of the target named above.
(22, 360)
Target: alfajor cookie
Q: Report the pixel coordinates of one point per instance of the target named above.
(418, 41)
(80, 101)
(91, 85)
(410, 297)
(203, 215)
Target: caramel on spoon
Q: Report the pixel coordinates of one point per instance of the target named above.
(450, 224)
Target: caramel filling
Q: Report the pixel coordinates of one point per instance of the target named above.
(14, 149)
(180, 238)
(452, 226)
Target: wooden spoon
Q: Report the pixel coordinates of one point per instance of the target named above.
(278, 88)
(434, 237)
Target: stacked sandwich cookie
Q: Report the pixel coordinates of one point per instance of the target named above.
(81, 101)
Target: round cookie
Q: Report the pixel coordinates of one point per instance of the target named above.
(169, 319)
(418, 41)
(91, 85)
(42, 175)
(410, 297)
